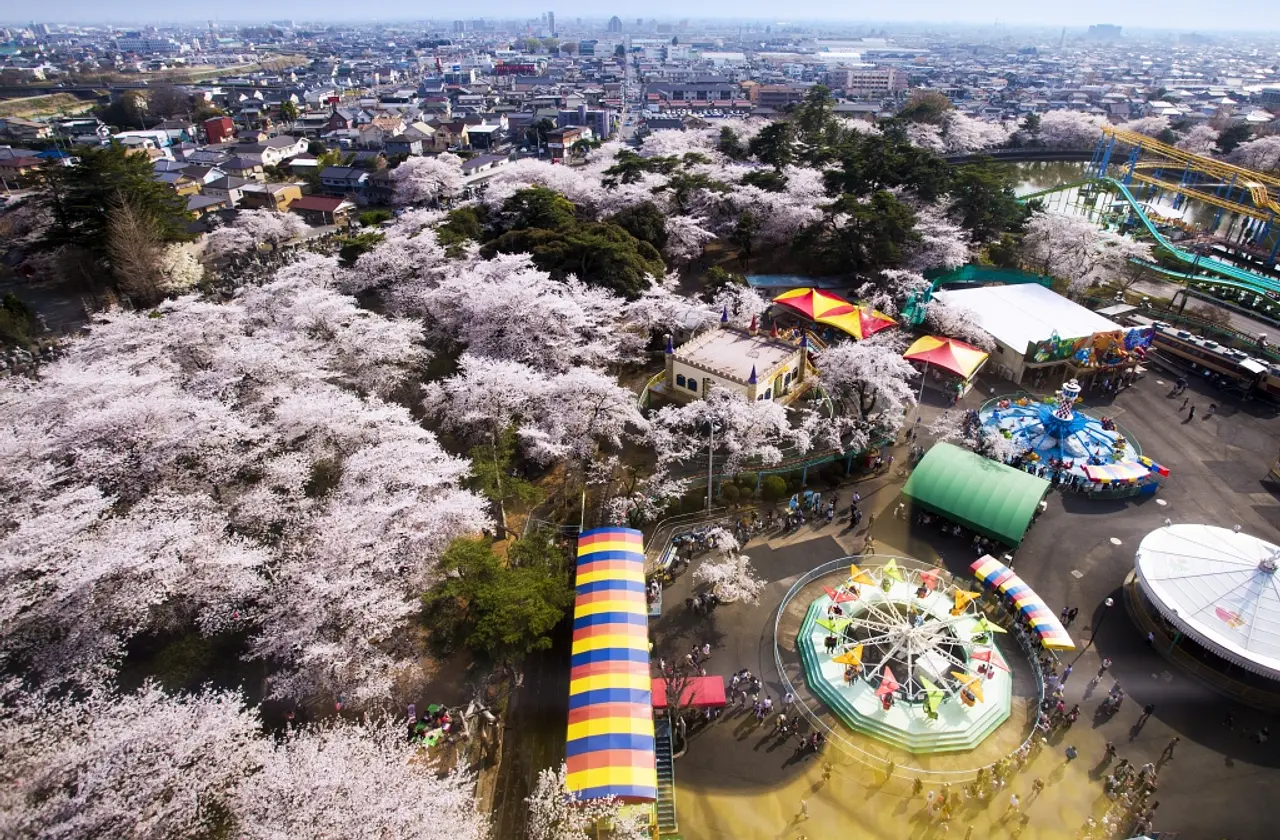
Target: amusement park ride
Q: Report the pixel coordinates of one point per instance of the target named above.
(1152, 170)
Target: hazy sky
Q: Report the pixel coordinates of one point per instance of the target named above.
(1243, 15)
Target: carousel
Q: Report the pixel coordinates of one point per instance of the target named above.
(1218, 588)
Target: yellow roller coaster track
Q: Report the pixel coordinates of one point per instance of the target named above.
(1259, 184)
(1207, 197)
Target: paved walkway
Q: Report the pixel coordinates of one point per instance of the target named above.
(736, 783)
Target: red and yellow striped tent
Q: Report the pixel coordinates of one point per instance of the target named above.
(834, 311)
(610, 747)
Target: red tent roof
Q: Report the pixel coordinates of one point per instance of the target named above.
(701, 693)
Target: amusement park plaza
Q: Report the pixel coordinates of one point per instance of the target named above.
(1104, 665)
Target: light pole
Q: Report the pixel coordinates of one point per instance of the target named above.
(1107, 604)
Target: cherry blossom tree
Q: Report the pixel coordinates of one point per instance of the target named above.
(941, 244)
(1070, 130)
(506, 308)
(216, 466)
(1262, 154)
(557, 813)
(947, 319)
(743, 430)
(742, 303)
(962, 133)
(1150, 126)
(1076, 250)
(926, 136)
(686, 237)
(485, 396)
(661, 308)
(963, 428)
(407, 261)
(343, 780)
(866, 375)
(729, 575)
(428, 180)
(112, 765)
(675, 142)
(1200, 140)
(582, 411)
(251, 229)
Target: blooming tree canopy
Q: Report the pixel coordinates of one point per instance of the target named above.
(1200, 140)
(1077, 250)
(1070, 129)
(251, 229)
(1262, 154)
(729, 574)
(427, 180)
(557, 813)
(342, 780)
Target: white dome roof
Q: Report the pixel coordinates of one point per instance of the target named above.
(1218, 587)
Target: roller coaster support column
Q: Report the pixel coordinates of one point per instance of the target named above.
(1133, 163)
(1104, 160)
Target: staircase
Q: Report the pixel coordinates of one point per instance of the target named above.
(666, 804)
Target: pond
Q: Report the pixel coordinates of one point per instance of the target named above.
(1034, 176)
(780, 282)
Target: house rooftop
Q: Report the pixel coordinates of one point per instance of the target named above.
(732, 354)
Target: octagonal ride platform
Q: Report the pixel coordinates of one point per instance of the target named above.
(924, 651)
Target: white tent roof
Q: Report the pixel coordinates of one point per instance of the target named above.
(1219, 588)
(1019, 314)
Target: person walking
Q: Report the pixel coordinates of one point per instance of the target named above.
(1146, 713)
(1062, 616)
(1168, 749)
(1071, 754)
(1192, 415)
(804, 810)
(1071, 616)
(1014, 805)
(1183, 407)
(1106, 663)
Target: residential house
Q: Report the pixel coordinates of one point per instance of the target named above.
(403, 144)
(343, 180)
(218, 129)
(483, 163)
(181, 183)
(278, 197)
(320, 210)
(303, 164)
(561, 140)
(199, 204)
(208, 157)
(179, 131)
(348, 118)
(486, 137)
(228, 187)
(203, 174)
(380, 188)
(23, 129)
(451, 135)
(19, 171)
(244, 168)
(274, 149)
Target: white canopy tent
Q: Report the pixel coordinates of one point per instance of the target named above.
(1219, 588)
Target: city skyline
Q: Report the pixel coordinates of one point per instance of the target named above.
(1239, 16)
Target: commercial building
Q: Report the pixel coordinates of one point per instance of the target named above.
(1040, 333)
(868, 82)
